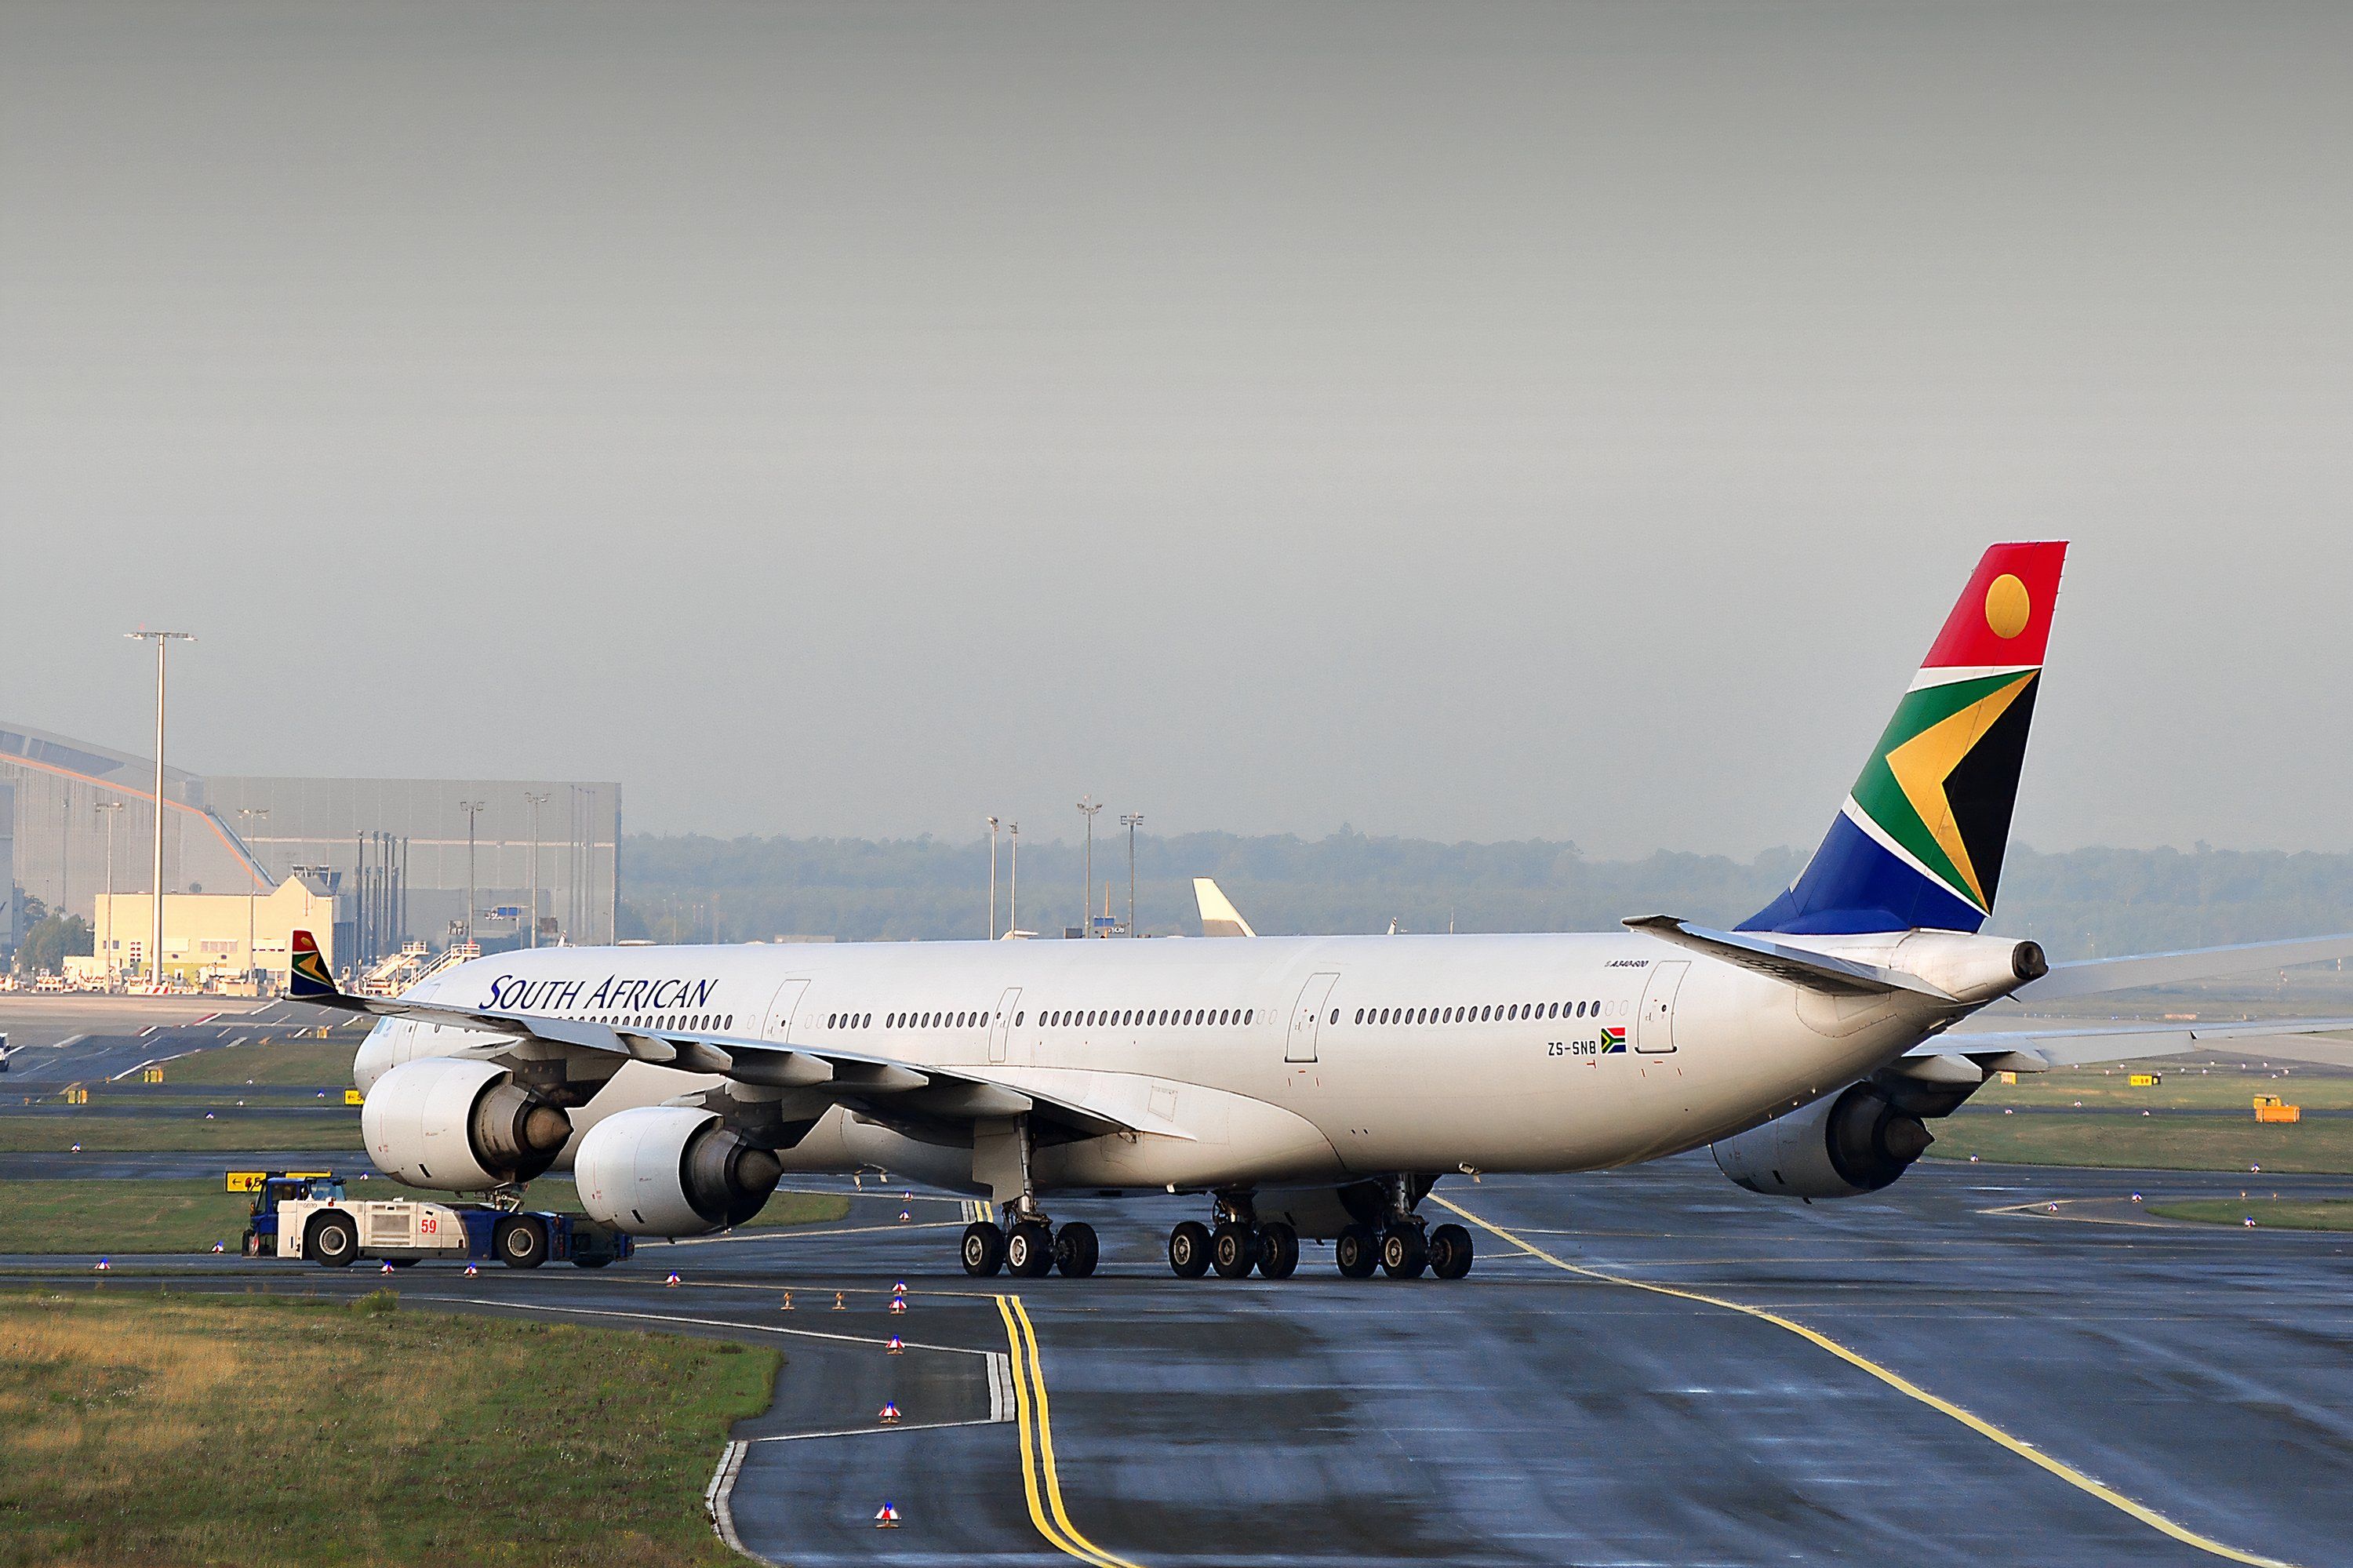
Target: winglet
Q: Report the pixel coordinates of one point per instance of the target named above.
(307, 979)
(1218, 916)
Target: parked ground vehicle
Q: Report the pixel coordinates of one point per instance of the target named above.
(307, 1214)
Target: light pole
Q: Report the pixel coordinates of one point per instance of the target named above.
(472, 809)
(109, 807)
(1013, 899)
(163, 641)
(65, 852)
(1087, 809)
(248, 813)
(1130, 820)
(992, 879)
(537, 800)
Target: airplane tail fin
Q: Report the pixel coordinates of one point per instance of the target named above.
(307, 979)
(1218, 916)
(1921, 838)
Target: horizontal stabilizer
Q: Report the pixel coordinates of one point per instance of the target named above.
(1798, 966)
(2064, 1047)
(2092, 976)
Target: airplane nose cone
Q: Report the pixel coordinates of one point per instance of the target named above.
(375, 1058)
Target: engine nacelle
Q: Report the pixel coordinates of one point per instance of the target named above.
(1840, 1146)
(460, 1126)
(671, 1171)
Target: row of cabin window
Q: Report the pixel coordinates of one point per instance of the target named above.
(1504, 1012)
(967, 1019)
(848, 1020)
(691, 1022)
(1144, 1018)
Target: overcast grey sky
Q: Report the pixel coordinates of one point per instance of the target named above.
(1464, 421)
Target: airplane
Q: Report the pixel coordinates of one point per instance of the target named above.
(1306, 1086)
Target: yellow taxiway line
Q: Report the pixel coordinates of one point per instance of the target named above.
(1039, 1482)
(1902, 1385)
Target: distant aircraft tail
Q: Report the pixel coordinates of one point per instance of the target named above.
(307, 979)
(1920, 840)
(1218, 916)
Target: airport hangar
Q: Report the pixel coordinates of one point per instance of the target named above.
(390, 854)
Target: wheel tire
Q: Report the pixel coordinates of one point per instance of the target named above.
(1233, 1251)
(1029, 1250)
(1076, 1249)
(249, 1244)
(1449, 1252)
(334, 1241)
(1404, 1253)
(519, 1242)
(984, 1249)
(1357, 1252)
(1277, 1250)
(1189, 1249)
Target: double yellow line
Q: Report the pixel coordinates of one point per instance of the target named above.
(1902, 1385)
(1038, 1480)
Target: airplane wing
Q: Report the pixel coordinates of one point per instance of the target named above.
(2092, 977)
(1218, 916)
(884, 1086)
(2038, 1050)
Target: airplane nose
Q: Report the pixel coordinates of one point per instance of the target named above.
(375, 1058)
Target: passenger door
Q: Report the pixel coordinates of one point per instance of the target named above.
(1654, 1025)
(1001, 1027)
(780, 1024)
(1307, 1018)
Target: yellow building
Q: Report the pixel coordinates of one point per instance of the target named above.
(216, 933)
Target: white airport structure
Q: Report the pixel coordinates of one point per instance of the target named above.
(399, 857)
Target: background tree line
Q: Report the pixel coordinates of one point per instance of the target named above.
(2083, 904)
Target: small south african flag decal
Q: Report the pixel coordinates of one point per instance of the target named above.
(1613, 1040)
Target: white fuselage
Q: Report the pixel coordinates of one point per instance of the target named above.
(1269, 1059)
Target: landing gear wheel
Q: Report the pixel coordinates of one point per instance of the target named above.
(1075, 1249)
(1189, 1249)
(519, 1242)
(334, 1240)
(1449, 1252)
(1029, 1249)
(1233, 1250)
(1404, 1253)
(1277, 1250)
(984, 1249)
(1357, 1252)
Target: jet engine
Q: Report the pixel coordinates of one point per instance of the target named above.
(671, 1171)
(460, 1126)
(1844, 1144)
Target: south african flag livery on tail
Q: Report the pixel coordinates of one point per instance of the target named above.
(307, 973)
(1921, 838)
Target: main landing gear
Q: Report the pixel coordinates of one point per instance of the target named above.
(1029, 1248)
(1403, 1247)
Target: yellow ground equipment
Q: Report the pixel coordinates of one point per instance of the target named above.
(2269, 1108)
(2145, 1080)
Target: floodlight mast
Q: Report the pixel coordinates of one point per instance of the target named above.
(992, 879)
(1130, 820)
(1087, 807)
(163, 641)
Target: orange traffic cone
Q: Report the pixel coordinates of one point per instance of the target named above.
(472, 1271)
(895, 1346)
(839, 1304)
(788, 1302)
(388, 1267)
(899, 1288)
(898, 1304)
(672, 1279)
(904, 1217)
(887, 1517)
(103, 1266)
(889, 1416)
